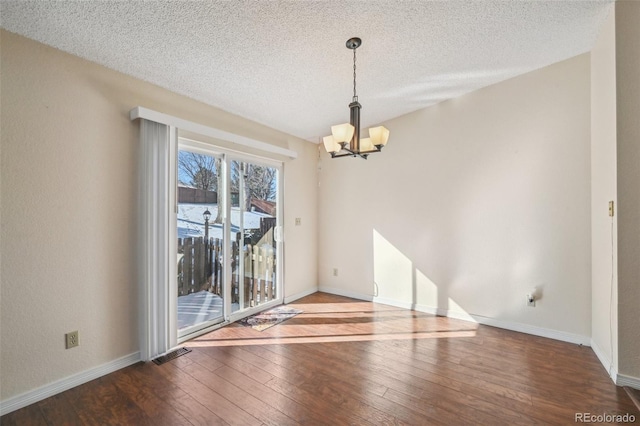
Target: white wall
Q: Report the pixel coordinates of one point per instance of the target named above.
(473, 203)
(628, 154)
(301, 241)
(69, 181)
(604, 311)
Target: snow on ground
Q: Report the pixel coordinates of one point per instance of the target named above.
(191, 222)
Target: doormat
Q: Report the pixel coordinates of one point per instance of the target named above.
(171, 355)
(269, 318)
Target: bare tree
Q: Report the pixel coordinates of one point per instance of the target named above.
(200, 170)
(204, 172)
(262, 182)
(259, 182)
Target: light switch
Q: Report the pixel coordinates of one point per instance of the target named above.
(611, 208)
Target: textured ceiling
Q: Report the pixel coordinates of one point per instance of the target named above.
(285, 64)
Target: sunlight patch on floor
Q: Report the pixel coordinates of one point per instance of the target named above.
(370, 322)
(280, 340)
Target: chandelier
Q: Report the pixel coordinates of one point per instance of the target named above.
(345, 140)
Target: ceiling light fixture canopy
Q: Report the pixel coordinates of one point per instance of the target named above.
(345, 140)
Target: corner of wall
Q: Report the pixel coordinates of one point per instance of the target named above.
(603, 191)
(627, 34)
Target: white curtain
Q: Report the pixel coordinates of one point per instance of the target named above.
(157, 238)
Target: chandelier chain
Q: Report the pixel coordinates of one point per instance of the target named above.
(355, 96)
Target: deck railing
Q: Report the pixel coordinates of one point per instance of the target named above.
(200, 267)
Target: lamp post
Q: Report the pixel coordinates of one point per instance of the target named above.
(207, 256)
(206, 215)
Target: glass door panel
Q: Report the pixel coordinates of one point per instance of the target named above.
(201, 231)
(254, 221)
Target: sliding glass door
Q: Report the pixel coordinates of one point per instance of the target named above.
(201, 233)
(229, 250)
(254, 235)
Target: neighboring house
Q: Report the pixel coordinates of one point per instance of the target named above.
(263, 206)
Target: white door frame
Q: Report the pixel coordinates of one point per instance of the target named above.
(228, 156)
(279, 300)
(189, 332)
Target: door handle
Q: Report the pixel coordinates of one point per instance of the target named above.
(278, 234)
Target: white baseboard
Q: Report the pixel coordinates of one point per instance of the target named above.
(300, 295)
(605, 360)
(346, 293)
(563, 336)
(33, 396)
(408, 305)
(632, 382)
(507, 325)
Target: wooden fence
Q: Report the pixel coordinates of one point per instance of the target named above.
(195, 195)
(200, 267)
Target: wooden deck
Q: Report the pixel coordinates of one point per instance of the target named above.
(349, 362)
(197, 308)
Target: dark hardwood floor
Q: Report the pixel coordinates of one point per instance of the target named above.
(343, 362)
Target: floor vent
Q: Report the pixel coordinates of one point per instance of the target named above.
(171, 355)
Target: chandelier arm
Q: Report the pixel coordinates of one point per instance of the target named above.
(347, 152)
(378, 148)
(350, 153)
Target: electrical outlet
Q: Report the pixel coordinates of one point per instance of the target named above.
(335, 272)
(531, 301)
(72, 339)
(298, 221)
